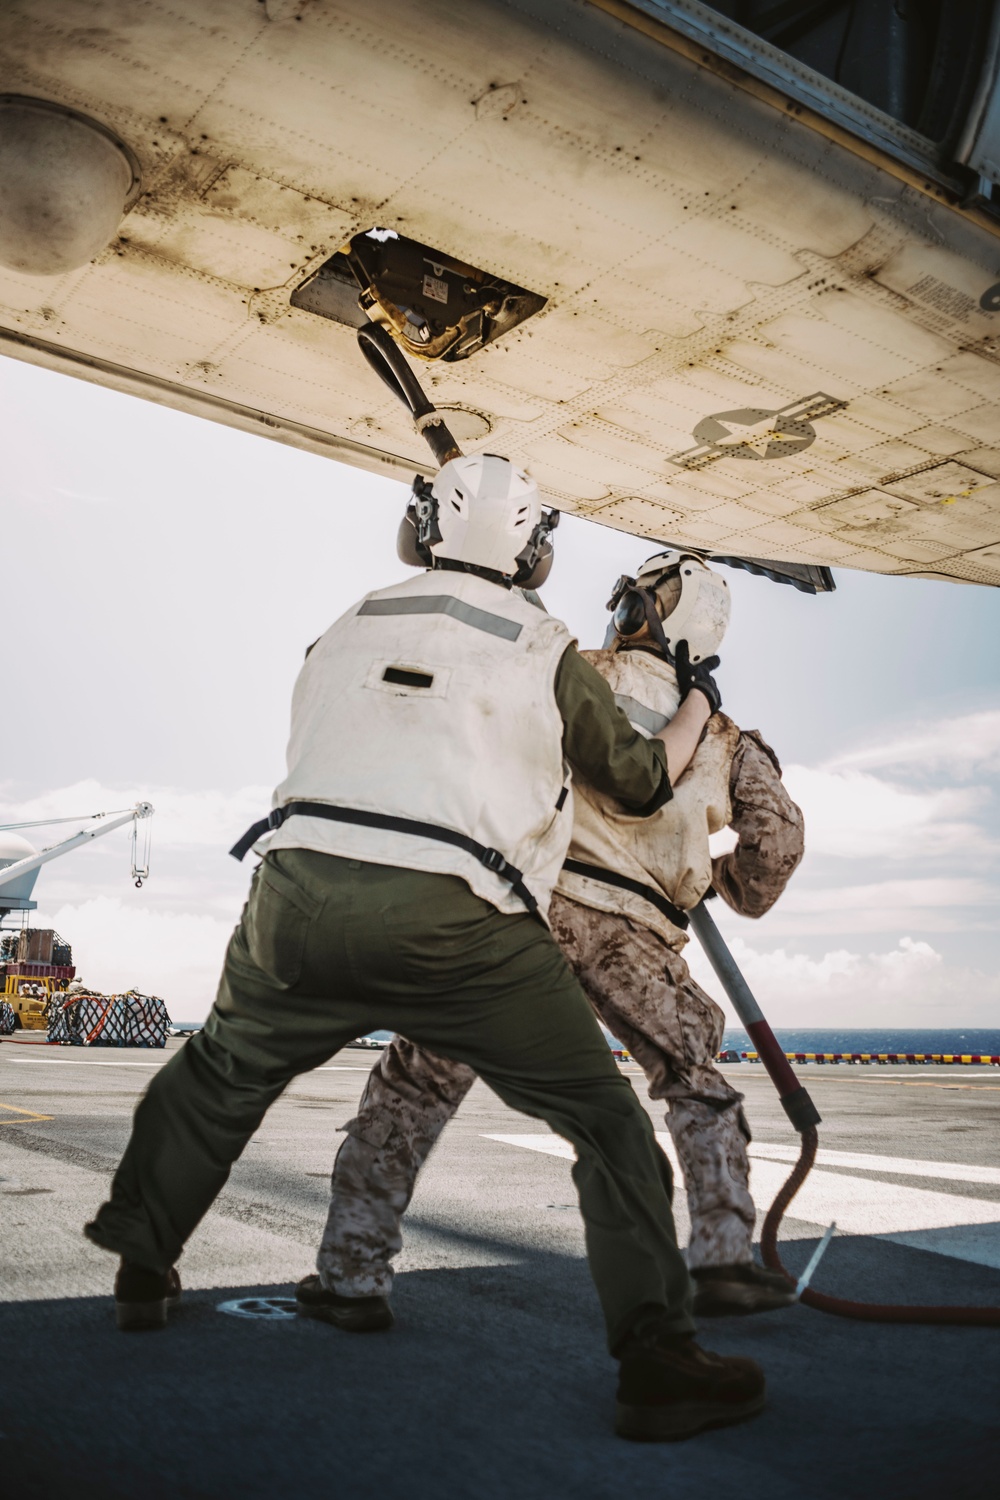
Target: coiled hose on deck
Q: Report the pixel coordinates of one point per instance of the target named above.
(845, 1307)
(804, 1116)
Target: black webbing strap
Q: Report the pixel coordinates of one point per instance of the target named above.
(492, 859)
(611, 877)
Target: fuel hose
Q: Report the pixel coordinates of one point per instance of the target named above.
(389, 363)
(805, 1118)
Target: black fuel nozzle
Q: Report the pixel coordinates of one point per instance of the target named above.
(390, 365)
(801, 1110)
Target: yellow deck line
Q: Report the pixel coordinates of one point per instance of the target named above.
(29, 1114)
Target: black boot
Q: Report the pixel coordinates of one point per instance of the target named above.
(142, 1296)
(354, 1314)
(670, 1389)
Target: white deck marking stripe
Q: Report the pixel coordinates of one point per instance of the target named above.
(90, 1062)
(112, 1062)
(945, 1223)
(901, 1166)
(550, 1145)
(862, 1206)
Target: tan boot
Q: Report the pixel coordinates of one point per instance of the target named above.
(731, 1291)
(353, 1314)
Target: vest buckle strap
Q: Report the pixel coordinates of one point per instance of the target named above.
(492, 859)
(274, 820)
(243, 846)
(672, 913)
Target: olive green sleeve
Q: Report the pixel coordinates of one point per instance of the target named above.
(601, 745)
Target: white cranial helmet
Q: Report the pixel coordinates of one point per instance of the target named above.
(487, 512)
(700, 615)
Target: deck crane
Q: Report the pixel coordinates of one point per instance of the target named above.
(36, 973)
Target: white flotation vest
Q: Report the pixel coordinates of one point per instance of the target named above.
(434, 701)
(667, 853)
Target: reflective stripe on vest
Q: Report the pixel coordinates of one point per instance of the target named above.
(445, 604)
(431, 707)
(638, 713)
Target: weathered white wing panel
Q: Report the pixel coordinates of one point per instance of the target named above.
(754, 339)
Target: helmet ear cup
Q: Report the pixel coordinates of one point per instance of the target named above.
(540, 569)
(418, 530)
(630, 612)
(408, 549)
(535, 562)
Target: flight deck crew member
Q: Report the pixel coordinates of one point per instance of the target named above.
(419, 832)
(618, 915)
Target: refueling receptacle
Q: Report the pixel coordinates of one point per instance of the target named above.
(436, 306)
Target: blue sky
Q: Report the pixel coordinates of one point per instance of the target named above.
(163, 576)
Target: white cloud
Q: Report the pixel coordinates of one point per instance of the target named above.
(79, 495)
(181, 818)
(170, 939)
(910, 985)
(955, 746)
(910, 894)
(179, 956)
(852, 814)
(943, 904)
(176, 955)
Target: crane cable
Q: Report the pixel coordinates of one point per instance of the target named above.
(140, 871)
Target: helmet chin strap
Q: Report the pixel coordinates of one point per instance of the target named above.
(655, 625)
(452, 565)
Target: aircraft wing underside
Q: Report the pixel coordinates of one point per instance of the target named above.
(737, 333)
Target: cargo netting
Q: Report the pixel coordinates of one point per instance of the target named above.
(129, 1020)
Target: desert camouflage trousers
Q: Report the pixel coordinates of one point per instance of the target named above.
(644, 993)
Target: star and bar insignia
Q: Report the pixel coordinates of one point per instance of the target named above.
(753, 433)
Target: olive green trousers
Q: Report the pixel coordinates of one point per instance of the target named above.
(328, 949)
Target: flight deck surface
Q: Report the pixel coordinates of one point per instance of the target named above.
(494, 1382)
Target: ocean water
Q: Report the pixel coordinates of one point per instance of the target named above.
(959, 1039)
